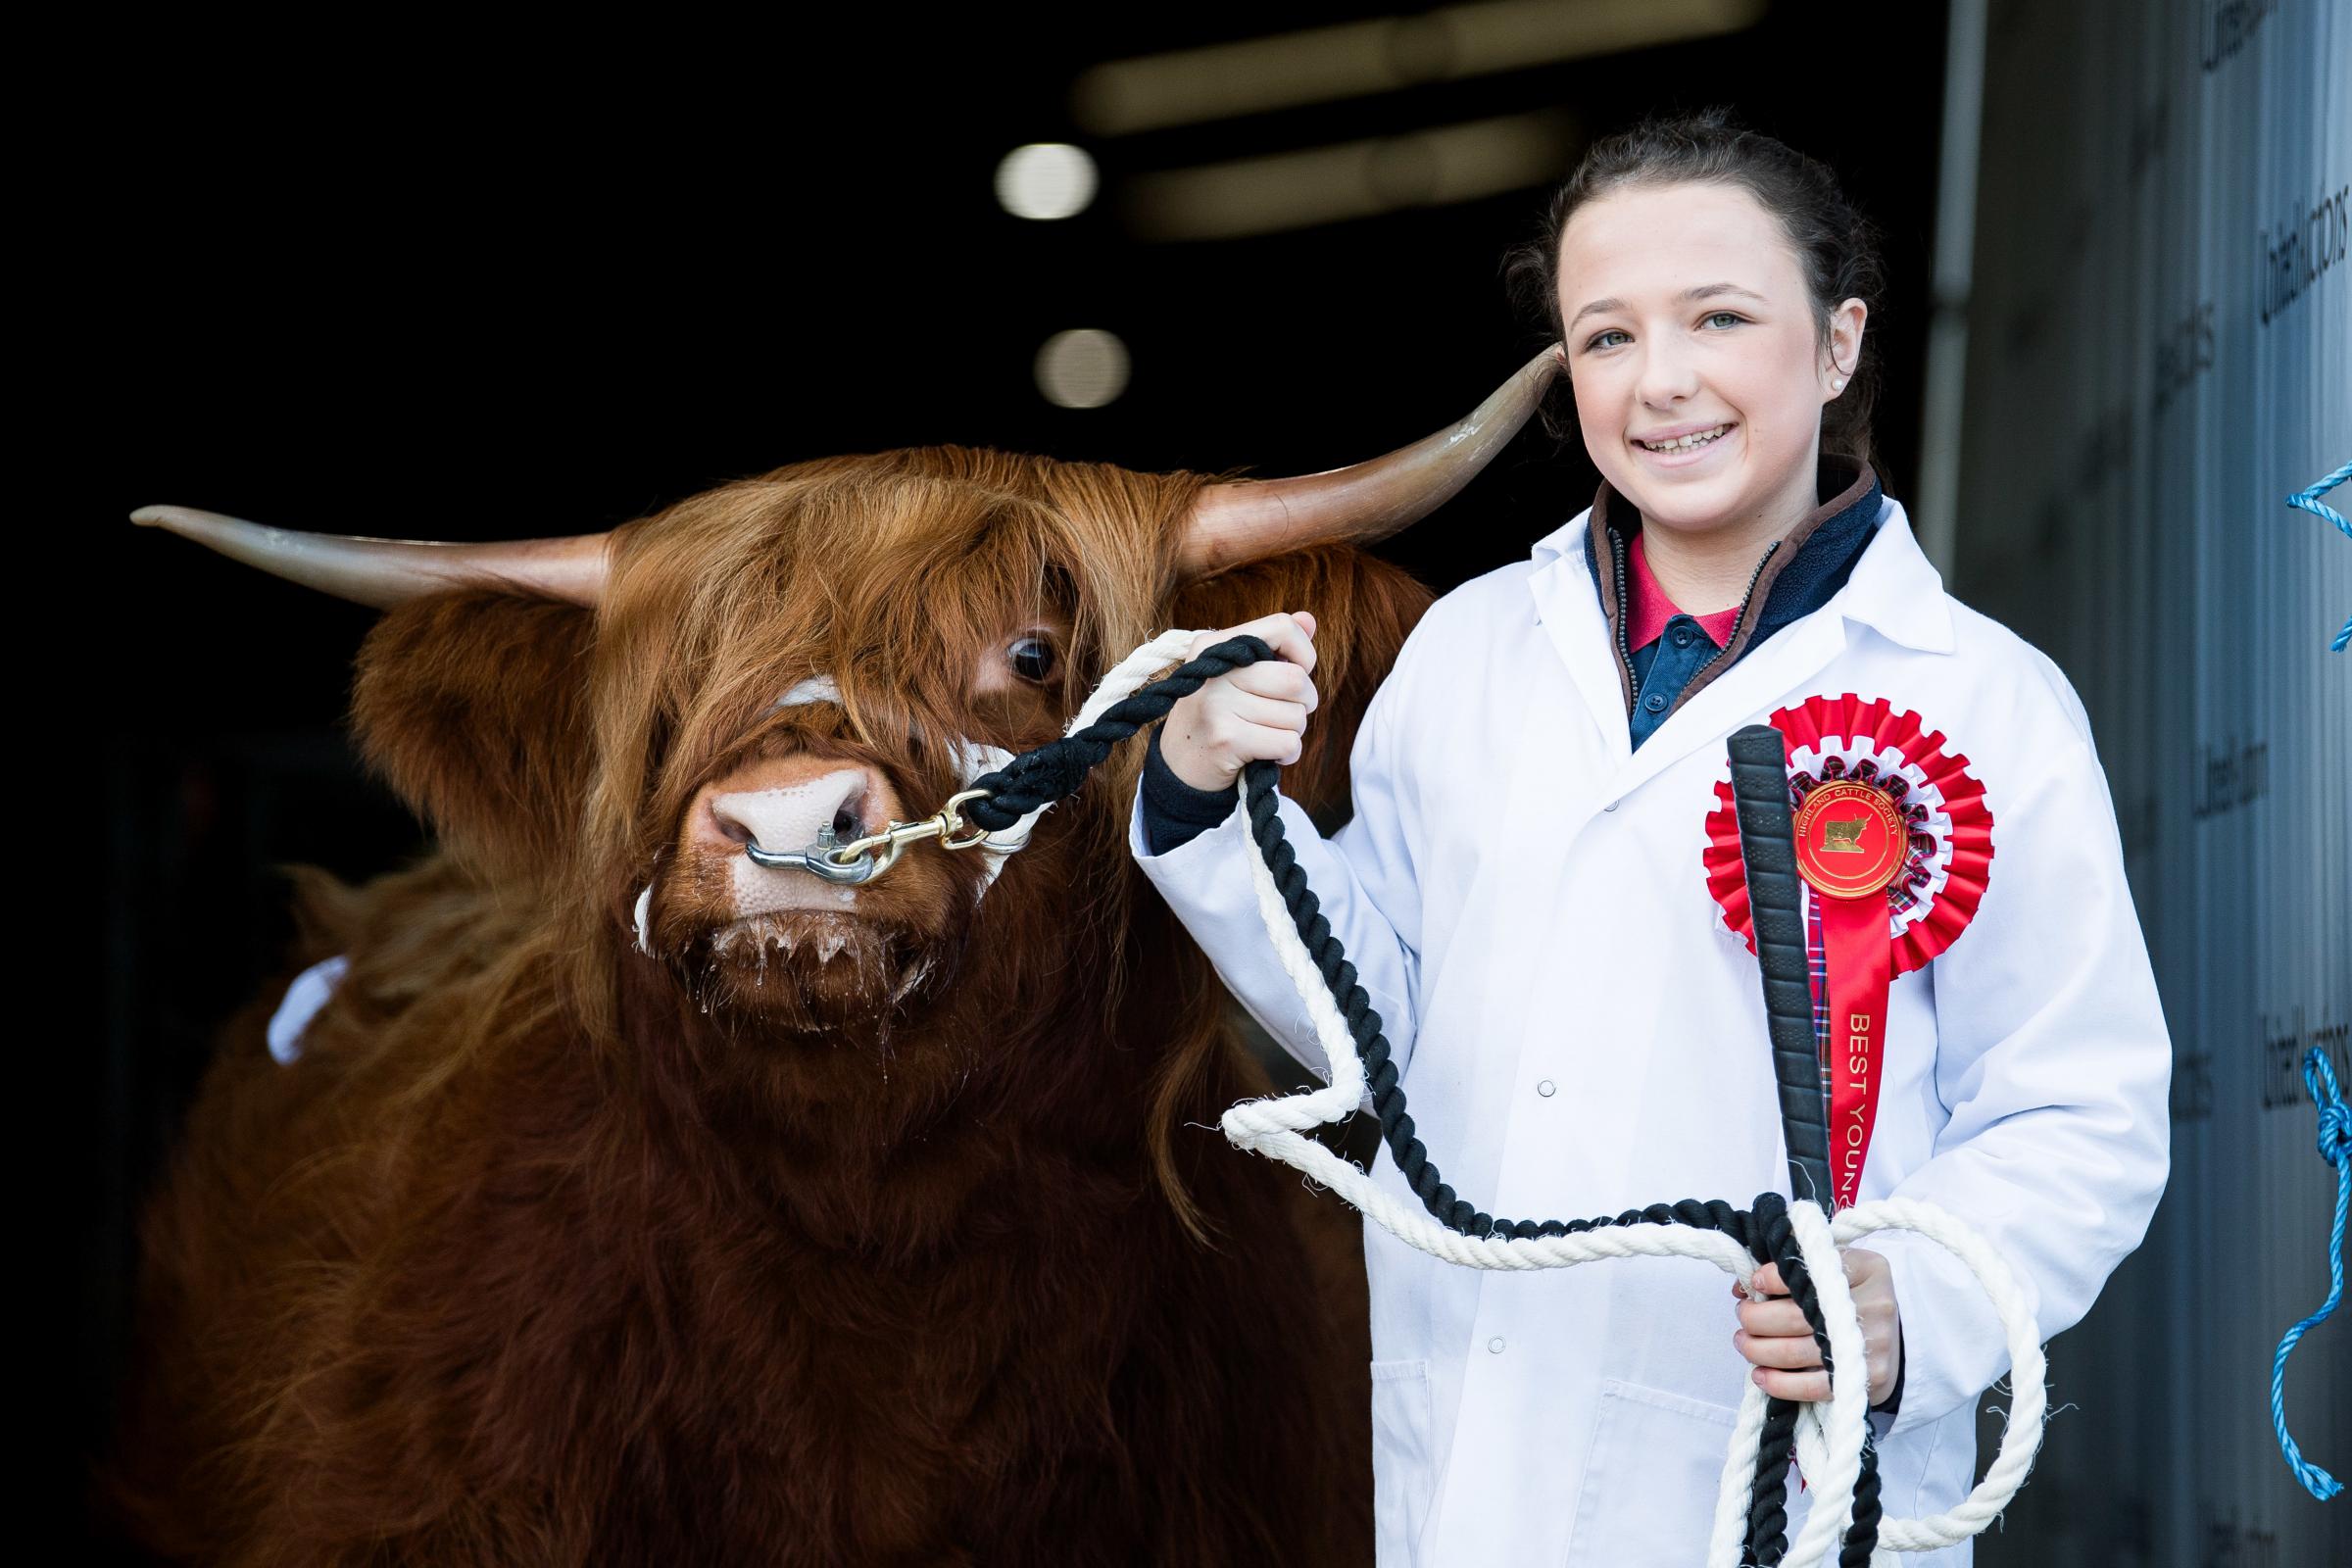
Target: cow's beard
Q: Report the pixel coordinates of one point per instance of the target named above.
(812, 971)
(848, 963)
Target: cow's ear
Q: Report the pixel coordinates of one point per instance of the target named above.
(473, 705)
(1363, 608)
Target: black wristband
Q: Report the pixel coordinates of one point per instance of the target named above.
(1174, 812)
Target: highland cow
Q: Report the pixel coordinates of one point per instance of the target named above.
(632, 1198)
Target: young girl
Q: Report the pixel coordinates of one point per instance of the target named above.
(1540, 891)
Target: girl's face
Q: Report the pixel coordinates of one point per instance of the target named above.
(1687, 317)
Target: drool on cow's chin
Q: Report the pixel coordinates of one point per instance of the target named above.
(807, 970)
(807, 954)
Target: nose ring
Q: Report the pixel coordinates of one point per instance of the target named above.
(819, 857)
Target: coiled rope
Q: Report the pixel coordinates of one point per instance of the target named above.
(2335, 1147)
(1832, 1445)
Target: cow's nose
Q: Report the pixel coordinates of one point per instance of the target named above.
(790, 808)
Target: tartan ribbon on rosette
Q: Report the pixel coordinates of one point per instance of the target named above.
(1894, 843)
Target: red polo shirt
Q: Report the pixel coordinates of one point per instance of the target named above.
(1647, 609)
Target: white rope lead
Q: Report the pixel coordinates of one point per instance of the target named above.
(1829, 1443)
(1163, 650)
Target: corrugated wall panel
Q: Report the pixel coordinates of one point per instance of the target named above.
(2159, 351)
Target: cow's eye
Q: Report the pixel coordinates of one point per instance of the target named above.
(1031, 657)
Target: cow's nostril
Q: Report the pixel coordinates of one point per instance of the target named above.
(729, 828)
(791, 815)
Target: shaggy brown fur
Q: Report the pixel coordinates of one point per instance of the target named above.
(547, 1251)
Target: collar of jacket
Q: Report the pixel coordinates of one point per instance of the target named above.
(1797, 575)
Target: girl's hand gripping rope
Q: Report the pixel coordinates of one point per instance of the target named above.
(1252, 715)
(1774, 1336)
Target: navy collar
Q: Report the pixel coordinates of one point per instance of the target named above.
(1796, 577)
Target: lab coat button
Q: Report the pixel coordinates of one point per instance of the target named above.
(1495, 1345)
(1612, 806)
(1545, 1089)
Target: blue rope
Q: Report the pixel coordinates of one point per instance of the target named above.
(2335, 1147)
(2309, 500)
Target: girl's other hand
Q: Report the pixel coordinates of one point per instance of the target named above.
(1773, 1334)
(1255, 714)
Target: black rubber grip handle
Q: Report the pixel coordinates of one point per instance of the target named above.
(1775, 906)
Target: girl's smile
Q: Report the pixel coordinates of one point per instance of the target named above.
(1684, 447)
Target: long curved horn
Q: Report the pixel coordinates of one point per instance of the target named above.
(1243, 519)
(384, 572)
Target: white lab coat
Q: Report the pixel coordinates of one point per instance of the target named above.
(1521, 891)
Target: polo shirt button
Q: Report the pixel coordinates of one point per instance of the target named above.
(1681, 636)
(1546, 1089)
(1655, 702)
(1495, 1345)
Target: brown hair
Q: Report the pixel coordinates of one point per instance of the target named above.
(1836, 247)
(533, 1258)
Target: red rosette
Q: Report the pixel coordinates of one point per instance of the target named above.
(1934, 898)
